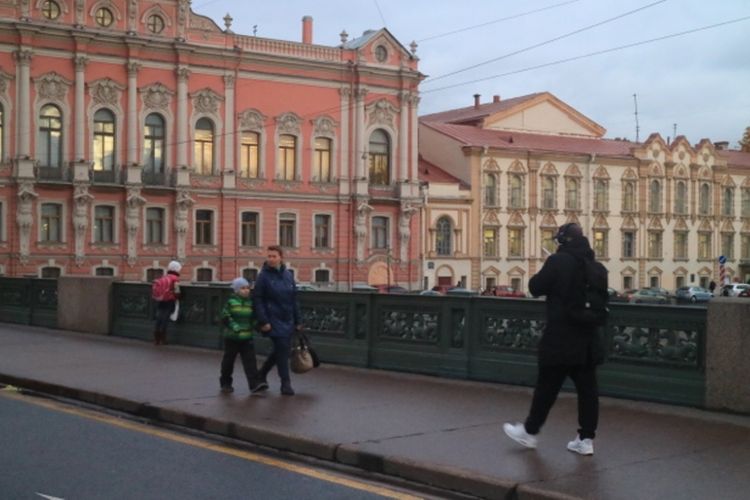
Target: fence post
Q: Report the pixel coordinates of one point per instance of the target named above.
(84, 303)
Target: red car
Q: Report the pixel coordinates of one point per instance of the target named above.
(505, 291)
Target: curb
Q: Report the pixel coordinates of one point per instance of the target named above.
(448, 478)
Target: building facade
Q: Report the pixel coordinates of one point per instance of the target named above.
(135, 132)
(658, 213)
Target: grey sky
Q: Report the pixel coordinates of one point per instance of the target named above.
(700, 81)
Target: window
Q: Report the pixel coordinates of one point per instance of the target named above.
(380, 232)
(104, 271)
(745, 202)
(628, 196)
(250, 274)
(490, 190)
(548, 192)
(104, 140)
(704, 199)
(443, 236)
(628, 244)
(322, 276)
(745, 247)
(728, 202)
(601, 244)
(704, 246)
(515, 242)
(204, 274)
(679, 281)
(571, 194)
(654, 244)
(155, 24)
(250, 155)
(490, 242)
(203, 154)
(249, 229)
(322, 160)
(154, 226)
(51, 223)
(515, 284)
(654, 281)
(154, 274)
(204, 220)
(548, 241)
(654, 201)
(50, 137)
(51, 272)
(680, 198)
(50, 9)
(286, 167)
(104, 221)
(287, 230)
(322, 231)
(490, 283)
(627, 282)
(727, 245)
(379, 155)
(600, 194)
(104, 17)
(681, 245)
(516, 191)
(153, 147)
(381, 54)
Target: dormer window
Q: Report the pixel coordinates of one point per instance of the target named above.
(50, 10)
(155, 24)
(104, 17)
(381, 53)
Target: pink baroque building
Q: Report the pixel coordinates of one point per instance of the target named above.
(136, 132)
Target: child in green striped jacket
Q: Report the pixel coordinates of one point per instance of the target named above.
(239, 324)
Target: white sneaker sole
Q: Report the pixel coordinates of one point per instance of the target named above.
(521, 441)
(580, 451)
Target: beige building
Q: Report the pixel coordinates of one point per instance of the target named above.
(658, 213)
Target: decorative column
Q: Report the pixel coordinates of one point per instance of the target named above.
(132, 156)
(360, 229)
(79, 113)
(81, 209)
(229, 175)
(133, 205)
(404, 229)
(25, 217)
(360, 154)
(414, 173)
(343, 174)
(25, 165)
(182, 116)
(181, 224)
(403, 139)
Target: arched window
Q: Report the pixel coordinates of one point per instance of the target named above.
(443, 236)
(250, 154)
(153, 149)
(680, 198)
(548, 192)
(203, 154)
(654, 205)
(704, 199)
(104, 140)
(379, 154)
(490, 190)
(600, 194)
(322, 160)
(628, 197)
(571, 194)
(728, 202)
(50, 136)
(516, 191)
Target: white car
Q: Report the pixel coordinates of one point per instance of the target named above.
(734, 289)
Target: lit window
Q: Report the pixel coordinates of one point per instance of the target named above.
(704, 246)
(490, 242)
(104, 140)
(51, 223)
(601, 244)
(153, 148)
(249, 154)
(104, 17)
(204, 147)
(515, 243)
(379, 153)
(681, 245)
(322, 160)
(286, 167)
(654, 244)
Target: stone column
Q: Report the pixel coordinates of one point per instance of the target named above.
(23, 58)
(132, 156)
(80, 115)
(414, 173)
(133, 206)
(402, 173)
(343, 172)
(359, 152)
(182, 116)
(727, 354)
(25, 218)
(182, 208)
(81, 212)
(229, 175)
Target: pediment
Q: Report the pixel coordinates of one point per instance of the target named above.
(549, 221)
(655, 224)
(745, 227)
(680, 172)
(681, 225)
(630, 175)
(680, 271)
(517, 271)
(705, 226)
(601, 173)
(572, 218)
(746, 182)
(517, 168)
(370, 40)
(629, 223)
(655, 170)
(628, 271)
(704, 271)
(654, 270)
(601, 222)
(727, 227)
(491, 271)
(705, 173)
(727, 181)
(549, 169)
(491, 164)
(573, 171)
(490, 219)
(516, 220)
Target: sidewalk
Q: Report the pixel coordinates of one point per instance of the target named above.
(443, 432)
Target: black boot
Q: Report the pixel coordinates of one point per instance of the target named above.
(286, 388)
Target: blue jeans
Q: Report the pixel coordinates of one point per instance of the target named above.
(279, 356)
(163, 311)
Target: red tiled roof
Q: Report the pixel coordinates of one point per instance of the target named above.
(472, 113)
(430, 172)
(736, 158)
(473, 136)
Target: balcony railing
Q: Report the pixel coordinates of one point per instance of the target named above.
(52, 173)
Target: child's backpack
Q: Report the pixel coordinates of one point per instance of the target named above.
(589, 304)
(160, 288)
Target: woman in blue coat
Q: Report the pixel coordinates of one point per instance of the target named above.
(277, 312)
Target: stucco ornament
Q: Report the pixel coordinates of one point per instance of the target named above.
(52, 86)
(81, 204)
(251, 119)
(183, 204)
(360, 228)
(132, 15)
(288, 123)
(183, 8)
(106, 92)
(133, 206)
(381, 113)
(404, 228)
(25, 217)
(324, 126)
(206, 101)
(80, 12)
(156, 96)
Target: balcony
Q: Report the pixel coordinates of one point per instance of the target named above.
(152, 178)
(55, 174)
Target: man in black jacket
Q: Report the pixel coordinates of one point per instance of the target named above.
(566, 349)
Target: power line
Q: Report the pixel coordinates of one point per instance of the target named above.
(546, 42)
(382, 18)
(590, 54)
(515, 16)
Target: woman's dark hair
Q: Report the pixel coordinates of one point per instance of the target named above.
(277, 249)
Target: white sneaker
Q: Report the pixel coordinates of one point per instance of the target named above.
(517, 432)
(582, 446)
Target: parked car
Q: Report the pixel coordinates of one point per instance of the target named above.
(615, 296)
(430, 293)
(457, 290)
(648, 296)
(744, 293)
(661, 291)
(692, 294)
(364, 288)
(734, 289)
(629, 293)
(391, 289)
(306, 287)
(504, 291)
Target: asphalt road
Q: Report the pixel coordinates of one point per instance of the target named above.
(55, 451)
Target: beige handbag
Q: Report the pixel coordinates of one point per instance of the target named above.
(301, 359)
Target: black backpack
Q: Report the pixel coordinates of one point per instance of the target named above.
(589, 297)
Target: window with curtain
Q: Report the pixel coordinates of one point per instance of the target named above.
(601, 243)
(654, 244)
(490, 190)
(153, 147)
(154, 226)
(516, 191)
(681, 245)
(51, 223)
(322, 159)
(548, 241)
(490, 241)
(444, 236)
(628, 244)
(680, 198)
(745, 246)
(728, 202)
(380, 232)
(204, 230)
(704, 199)
(572, 191)
(745, 210)
(727, 245)
(203, 147)
(515, 242)
(250, 155)
(379, 153)
(548, 192)
(104, 222)
(600, 194)
(286, 165)
(250, 229)
(322, 231)
(287, 230)
(50, 136)
(654, 199)
(704, 245)
(628, 196)
(104, 140)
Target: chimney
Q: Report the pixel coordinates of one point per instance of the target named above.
(476, 101)
(723, 145)
(307, 30)
(495, 99)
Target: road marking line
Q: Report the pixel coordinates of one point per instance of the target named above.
(198, 443)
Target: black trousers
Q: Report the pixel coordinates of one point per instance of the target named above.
(246, 350)
(549, 382)
(278, 357)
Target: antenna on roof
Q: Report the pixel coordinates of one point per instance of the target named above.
(637, 127)
(674, 130)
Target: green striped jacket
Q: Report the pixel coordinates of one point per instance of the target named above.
(238, 318)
